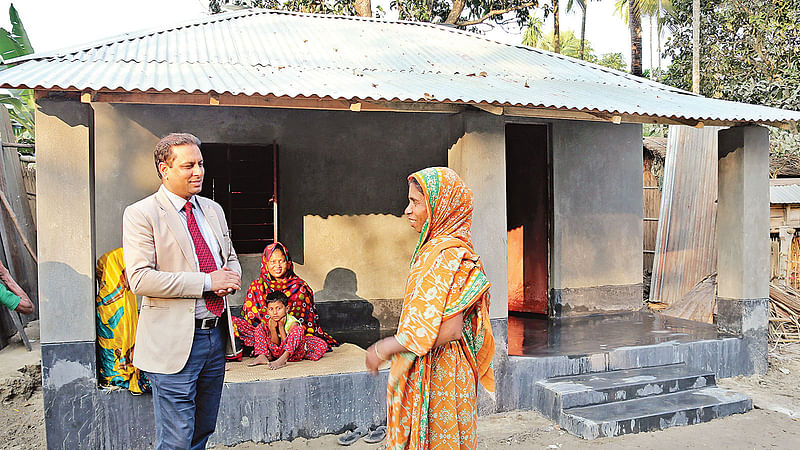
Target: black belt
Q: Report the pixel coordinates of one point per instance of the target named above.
(206, 324)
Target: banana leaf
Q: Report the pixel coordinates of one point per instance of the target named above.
(15, 43)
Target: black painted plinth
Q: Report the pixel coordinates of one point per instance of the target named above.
(69, 383)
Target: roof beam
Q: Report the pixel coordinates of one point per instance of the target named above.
(491, 109)
(264, 101)
(615, 118)
(356, 105)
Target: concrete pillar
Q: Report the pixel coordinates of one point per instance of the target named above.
(743, 240)
(479, 158)
(65, 185)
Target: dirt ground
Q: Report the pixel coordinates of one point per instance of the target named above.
(22, 410)
(774, 423)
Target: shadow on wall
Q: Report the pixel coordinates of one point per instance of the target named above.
(342, 313)
(330, 162)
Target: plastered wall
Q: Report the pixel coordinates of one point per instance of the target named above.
(342, 181)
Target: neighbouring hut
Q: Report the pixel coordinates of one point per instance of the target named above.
(784, 222)
(654, 152)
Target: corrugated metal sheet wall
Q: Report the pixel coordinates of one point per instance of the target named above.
(686, 240)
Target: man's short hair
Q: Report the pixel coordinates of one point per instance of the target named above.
(163, 151)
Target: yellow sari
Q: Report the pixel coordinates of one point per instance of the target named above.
(116, 318)
(432, 392)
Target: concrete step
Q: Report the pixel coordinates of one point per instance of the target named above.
(653, 413)
(557, 394)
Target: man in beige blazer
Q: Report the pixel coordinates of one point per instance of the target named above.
(179, 258)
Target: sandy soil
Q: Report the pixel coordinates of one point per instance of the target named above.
(22, 409)
(779, 389)
(774, 423)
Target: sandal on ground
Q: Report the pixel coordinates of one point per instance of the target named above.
(376, 435)
(352, 437)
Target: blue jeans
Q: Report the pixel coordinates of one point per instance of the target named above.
(186, 403)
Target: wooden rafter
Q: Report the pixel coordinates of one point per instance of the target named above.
(358, 105)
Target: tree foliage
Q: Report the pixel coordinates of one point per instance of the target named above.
(14, 43)
(749, 52)
(19, 102)
(462, 13)
(613, 60)
(570, 44)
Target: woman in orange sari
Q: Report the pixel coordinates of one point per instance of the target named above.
(444, 344)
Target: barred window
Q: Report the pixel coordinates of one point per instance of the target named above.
(243, 180)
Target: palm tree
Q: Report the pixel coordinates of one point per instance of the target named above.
(631, 12)
(635, 22)
(570, 44)
(533, 34)
(556, 28)
(582, 4)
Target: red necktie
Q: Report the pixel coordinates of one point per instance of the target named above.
(214, 302)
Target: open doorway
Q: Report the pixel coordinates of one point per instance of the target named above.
(529, 208)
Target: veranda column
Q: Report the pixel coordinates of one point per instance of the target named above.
(65, 204)
(743, 240)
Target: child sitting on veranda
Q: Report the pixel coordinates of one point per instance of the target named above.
(285, 338)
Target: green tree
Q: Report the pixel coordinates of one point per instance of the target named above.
(533, 34)
(613, 60)
(750, 53)
(636, 9)
(20, 104)
(582, 4)
(570, 44)
(462, 13)
(751, 50)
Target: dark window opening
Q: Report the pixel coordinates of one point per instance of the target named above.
(243, 180)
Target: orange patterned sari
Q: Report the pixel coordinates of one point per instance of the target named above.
(432, 392)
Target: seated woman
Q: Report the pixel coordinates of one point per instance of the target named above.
(277, 275)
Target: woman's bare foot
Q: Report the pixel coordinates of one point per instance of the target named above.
(259, 360)
(277, 364)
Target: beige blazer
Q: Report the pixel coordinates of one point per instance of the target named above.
(160, 265)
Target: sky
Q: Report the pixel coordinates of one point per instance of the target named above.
(53, 25)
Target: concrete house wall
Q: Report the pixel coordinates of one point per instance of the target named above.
(596, 257)
(342, 193)
(596, 234)
(342, 188)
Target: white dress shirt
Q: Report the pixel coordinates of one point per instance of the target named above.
(200, 310)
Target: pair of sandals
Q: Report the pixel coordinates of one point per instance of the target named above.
(370, 437)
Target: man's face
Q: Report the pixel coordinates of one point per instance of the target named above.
(184, 176)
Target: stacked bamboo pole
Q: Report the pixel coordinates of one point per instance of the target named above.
(784, 314)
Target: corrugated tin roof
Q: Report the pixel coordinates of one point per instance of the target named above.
(262, 52)
(789, 193)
